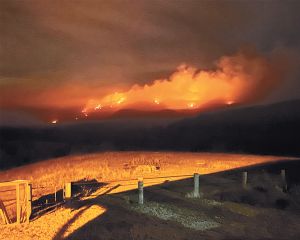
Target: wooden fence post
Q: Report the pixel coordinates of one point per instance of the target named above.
(18, 202)
(196, 185)
(244, 181)
(141, 191)
(29, 201)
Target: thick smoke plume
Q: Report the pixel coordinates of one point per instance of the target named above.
(242, 78)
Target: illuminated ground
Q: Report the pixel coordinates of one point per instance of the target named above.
(224, 209)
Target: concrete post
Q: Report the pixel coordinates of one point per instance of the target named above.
(244, 181)
(283, 178)
(68, 191)
(55, 190)
(196, 185)
(141, 191)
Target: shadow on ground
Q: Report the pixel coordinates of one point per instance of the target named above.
(262, 210)
(50, 202)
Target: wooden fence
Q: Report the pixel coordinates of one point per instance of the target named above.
(15, 201)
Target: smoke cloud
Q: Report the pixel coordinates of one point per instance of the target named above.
(60, 55)
(245, 77)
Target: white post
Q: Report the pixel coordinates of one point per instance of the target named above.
(245, 178)
(196, 185)
(141, 191)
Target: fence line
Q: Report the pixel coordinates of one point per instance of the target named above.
(66, 191)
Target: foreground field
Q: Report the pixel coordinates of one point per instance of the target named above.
(111, 166)
(225, 210)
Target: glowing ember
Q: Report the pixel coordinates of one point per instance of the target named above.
(191, 105)
(156, 101)
(99, 106)
(54, 121)
(230, 102)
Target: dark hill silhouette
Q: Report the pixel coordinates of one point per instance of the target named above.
(260, 129)
(265, 129)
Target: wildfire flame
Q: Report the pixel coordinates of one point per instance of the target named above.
(99, 106)
(236, 79)
(156, 101)
(230, 102)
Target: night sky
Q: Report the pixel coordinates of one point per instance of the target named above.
(62, 54)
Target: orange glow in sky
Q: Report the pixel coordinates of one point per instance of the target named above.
(237, 79)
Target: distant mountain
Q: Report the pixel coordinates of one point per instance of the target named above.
(165, 113)
(269, 129)
(261, 129)
(150, 111)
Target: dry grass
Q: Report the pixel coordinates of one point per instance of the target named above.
(115, 166)
(50, 225)
(110, 166)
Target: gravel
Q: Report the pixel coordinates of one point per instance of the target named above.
(185, 217)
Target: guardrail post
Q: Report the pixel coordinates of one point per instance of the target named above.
(141, 191)
(244, 179)
(196, 185)
(283, 178)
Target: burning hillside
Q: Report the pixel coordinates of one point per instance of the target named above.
(241, 78)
